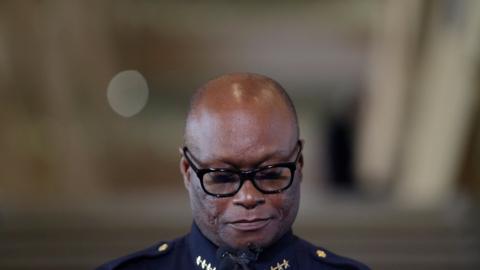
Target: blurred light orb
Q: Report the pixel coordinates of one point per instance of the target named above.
(127, 93)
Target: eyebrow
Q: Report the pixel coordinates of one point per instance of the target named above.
(258, 163)
(261, 163)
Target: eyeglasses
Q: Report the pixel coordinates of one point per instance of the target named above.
(226, 182)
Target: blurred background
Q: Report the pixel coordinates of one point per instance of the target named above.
(93, 96)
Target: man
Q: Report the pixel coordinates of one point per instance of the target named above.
(242, 166)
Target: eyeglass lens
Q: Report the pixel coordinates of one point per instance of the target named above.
(269, 180)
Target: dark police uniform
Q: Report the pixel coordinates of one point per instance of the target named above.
(196, 252)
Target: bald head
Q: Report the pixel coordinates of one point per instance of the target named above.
(239, 97)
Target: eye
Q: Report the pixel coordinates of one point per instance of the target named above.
(270, 174)
(222, 177)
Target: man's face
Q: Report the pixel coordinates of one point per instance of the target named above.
(243, 139)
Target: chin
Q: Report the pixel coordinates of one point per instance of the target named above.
(263, 237)
(258, 240)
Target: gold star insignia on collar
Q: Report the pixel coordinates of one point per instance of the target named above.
(321, 253)
(203, 264)
(280, 266)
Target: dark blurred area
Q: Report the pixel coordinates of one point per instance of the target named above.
(93, 96)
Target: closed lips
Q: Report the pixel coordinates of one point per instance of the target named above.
(250, 220)
(250, 224)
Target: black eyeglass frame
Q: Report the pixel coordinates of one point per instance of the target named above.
(244, 174)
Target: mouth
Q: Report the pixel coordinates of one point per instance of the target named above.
(250, 224)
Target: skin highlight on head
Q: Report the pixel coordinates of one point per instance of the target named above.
(242, 121)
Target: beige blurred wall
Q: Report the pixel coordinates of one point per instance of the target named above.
(387, 94)
(422, 102)
(400, 61)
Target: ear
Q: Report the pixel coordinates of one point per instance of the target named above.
(184, 169)
(300, 159)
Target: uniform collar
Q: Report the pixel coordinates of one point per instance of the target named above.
(202, 250)
(279, 256)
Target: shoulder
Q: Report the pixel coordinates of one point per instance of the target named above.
(163, 254)
(316, 256)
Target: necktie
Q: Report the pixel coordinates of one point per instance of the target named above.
(237, 259)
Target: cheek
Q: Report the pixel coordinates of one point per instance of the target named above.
(206, 209)
(287, 203)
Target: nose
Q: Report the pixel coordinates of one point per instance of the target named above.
(249, 196)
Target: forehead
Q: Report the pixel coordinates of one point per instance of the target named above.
(243, 135)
